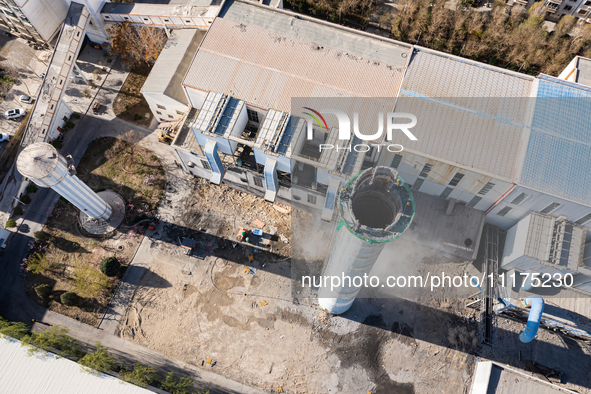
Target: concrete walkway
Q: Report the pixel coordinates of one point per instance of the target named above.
(15, 304)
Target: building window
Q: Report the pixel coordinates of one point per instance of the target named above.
(456, 179)
(179, 112)
(504, 211)
(253, 116)
(551, 207)
(146, 19)
(475, 200)
(446, 192)
(568, 8)
(520, 198)
(106, 17)
(257, 181)
(126, 18)
(487, 188)
(312, 199)
(396, 161)
(588, 3)
(418, 184)
(188, 21)
(205, 164)
(581, 12)
(166, 21)
(161, 106)
(584, 219)
(159, 113)
(171, 117)
(426, 170)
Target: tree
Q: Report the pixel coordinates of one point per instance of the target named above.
(25, 199)
(13, 329)
(10, 223)
(54, 338)
(32, 188)
(39, 263)
(69, 298)
(41, 236)
(43, 291)
(17, 211)
(88, 281)
(98, 361)
(110, 266)
(176, 386)
(136, 43)
(140, 375)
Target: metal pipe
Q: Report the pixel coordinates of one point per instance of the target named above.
(536, 305)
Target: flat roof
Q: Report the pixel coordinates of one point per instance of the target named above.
(559, 147)
(46, 373)
(583, 75)
(174, 8)
(167, 74)
(266, 68)
(492, 378)
(470, 114)
(299, 27)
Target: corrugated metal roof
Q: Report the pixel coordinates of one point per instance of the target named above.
(469, 114)
(303, 28)
(455, 135)
(557, 156)
(465, 83)
(267, 69)
(45, 373)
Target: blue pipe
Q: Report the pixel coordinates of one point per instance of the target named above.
(536, 304)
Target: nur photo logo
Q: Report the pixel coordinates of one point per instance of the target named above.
(393, 123)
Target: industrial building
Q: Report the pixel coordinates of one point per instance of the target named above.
(42, 20)
(46, 373)
(484, 133)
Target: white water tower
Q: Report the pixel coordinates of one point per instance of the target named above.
(99, 213)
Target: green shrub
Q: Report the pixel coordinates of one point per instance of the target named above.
(10, 223)
(43, 291)
(110, 266)
(25, 199)
(69, 125)
(57, 144)
(140, 376)
(32, 188)
(76, 115)
(177, 386)
(41, 236)
(39, 263)
(69, 298)
(17, 211)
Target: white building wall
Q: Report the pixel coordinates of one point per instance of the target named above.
(171, 106)
(196, 97)
(535, 203)
(438, 178)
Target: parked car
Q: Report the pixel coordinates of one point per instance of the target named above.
(25, 99)
(15, 113)
(4, 137)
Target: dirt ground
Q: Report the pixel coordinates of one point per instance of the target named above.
(69, 251)
(130, 104)
(258, 329)
(242, 314)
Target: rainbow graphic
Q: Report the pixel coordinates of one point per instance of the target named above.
(316, 118)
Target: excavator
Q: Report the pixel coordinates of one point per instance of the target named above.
(167, 130)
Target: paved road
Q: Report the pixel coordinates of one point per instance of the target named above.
(15, 305)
